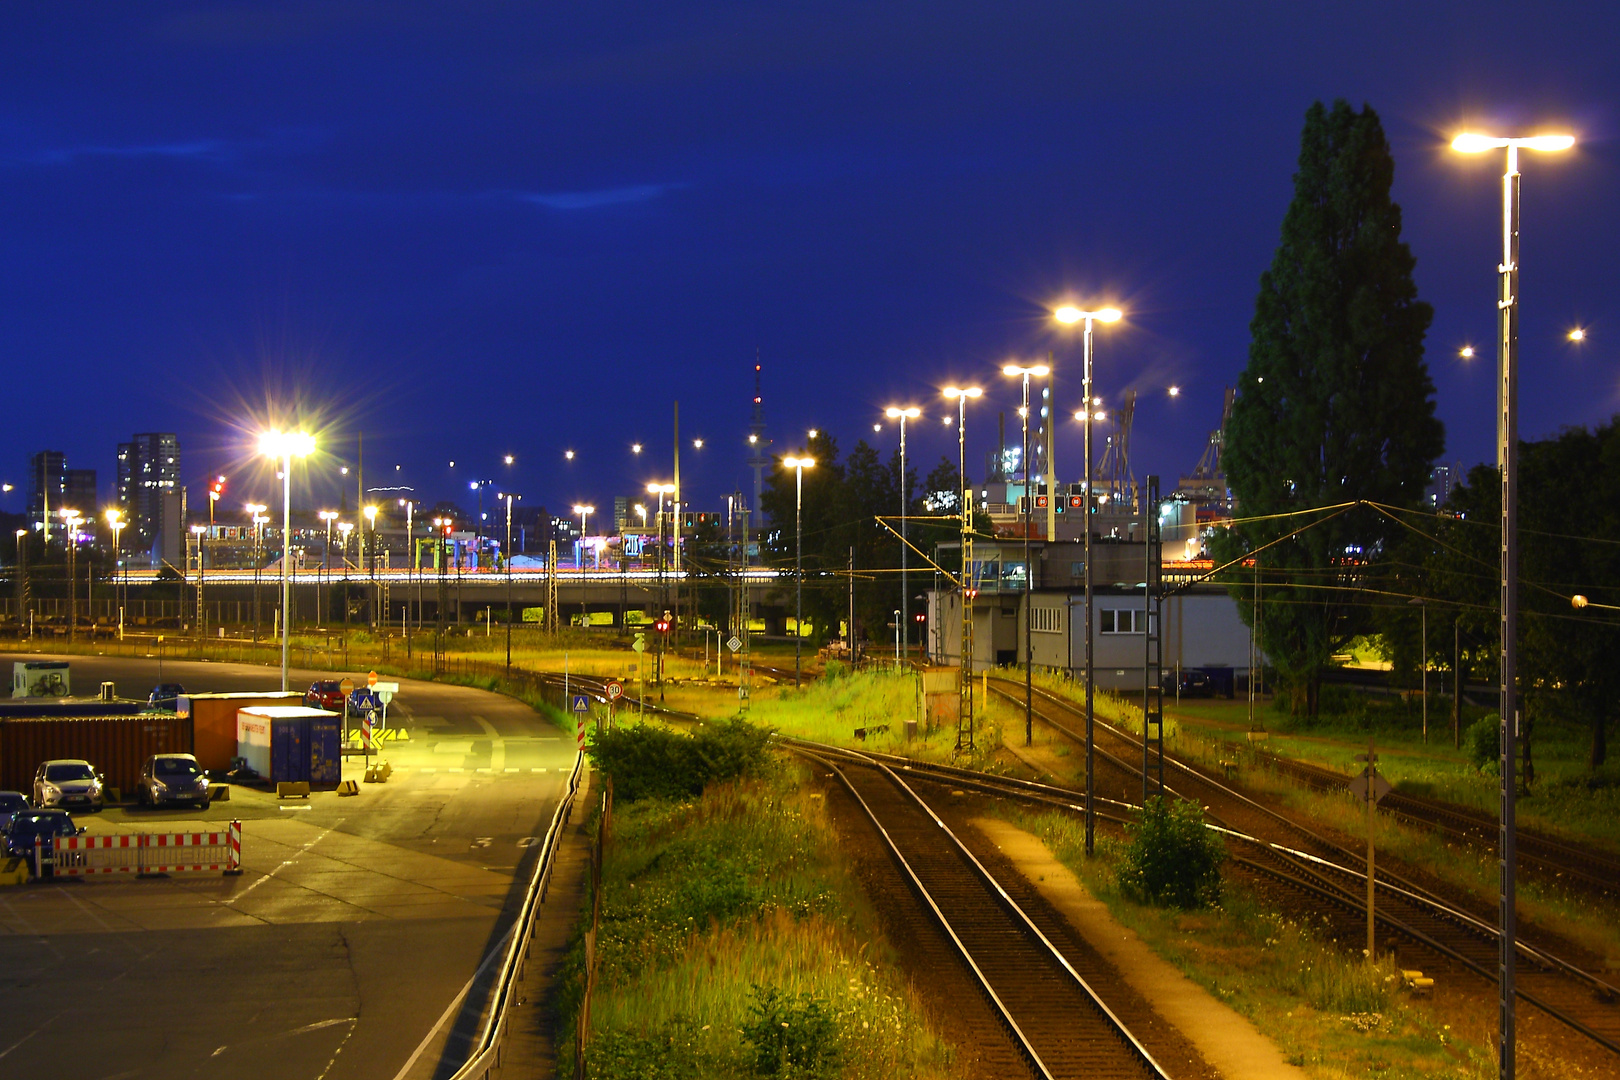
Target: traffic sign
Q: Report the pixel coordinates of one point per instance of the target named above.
(371, 678)
(734, 643)
(1380, 787)
(640, 644)
(582, 703)
(385, 696)
(385, 687)
(347, 686)
(615, 689)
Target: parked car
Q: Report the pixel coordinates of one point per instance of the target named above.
(11, 802)
(165, 696)
(67, 782)
(325, 694)
(167, 779)
(1194, 683)
(45, 824)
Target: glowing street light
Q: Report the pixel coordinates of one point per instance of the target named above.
(1027, 506)
(902, 414)
(1069, 315)
(583, 512)
(1577, 335)
(284, 446)
(798, 465)
(1466, 352)
(1507, 451)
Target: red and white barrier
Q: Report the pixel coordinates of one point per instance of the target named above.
(148, 853)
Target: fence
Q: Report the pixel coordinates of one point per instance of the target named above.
(142, 853)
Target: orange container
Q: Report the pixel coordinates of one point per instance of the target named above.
(213, 721)
(115, 745)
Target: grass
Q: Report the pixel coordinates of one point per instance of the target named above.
(711, 903)
(1327, 1010)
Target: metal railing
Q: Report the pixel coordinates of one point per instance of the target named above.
(486, 1055)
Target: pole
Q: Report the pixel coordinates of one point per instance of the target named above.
(286, 561)
(905, 500)
(1425, 674)
(1507, 446)
(1028, 505)
(1372, 801)
(1091, 807)
(508, 586)
(798, 574)
(1456, 682)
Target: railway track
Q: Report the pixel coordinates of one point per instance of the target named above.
(1317, 871)
(1046, 999)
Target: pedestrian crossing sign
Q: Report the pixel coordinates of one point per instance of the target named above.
(582, 703)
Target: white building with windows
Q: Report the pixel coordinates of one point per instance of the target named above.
(1202, 628)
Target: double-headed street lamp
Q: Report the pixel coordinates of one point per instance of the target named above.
(116, 522)
(443, 529)
(1507, 454)
(1070, 315)
(663, 581)
(902, 414)
(965, 493)
(327, 516)
(369, 554)
(1027, 506)
(70, 527)
(255, 510)
(798, 465)
(285, 445)
(506, 552)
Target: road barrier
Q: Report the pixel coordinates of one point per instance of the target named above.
(486, 1056)
(143, 853)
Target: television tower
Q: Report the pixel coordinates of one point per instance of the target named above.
(758, 458)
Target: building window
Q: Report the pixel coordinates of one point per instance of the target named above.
(1046, 620)
(1122, 621)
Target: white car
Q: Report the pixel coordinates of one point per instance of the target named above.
(67, 782)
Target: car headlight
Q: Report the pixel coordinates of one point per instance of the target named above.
(160, 785)
(95, 785)
(50, 789)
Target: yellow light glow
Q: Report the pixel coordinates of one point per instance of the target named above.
(1175, 391)
(799, 462)
(371, 514)
(1469, 143)
(1577, 334)
(1038, 370)
(660, 489)
(1466, 352)
(1068, 314)
(569, 454)
(509, 459)
(910, 412)
(584, 509)
(1549, 143)
(1474, 143)
(1578, 601)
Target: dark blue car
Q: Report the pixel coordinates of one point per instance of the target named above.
(45, 824)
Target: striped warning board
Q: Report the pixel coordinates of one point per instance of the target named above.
(148, 853)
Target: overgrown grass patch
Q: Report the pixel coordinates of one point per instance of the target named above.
(731, 906)
(1327, 1009)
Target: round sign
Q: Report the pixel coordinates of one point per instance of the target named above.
(615, 689)
(347, 686)
(371, 679)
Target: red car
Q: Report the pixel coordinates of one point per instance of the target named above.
(326, 694)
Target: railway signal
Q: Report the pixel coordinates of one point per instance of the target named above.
(1370, 788)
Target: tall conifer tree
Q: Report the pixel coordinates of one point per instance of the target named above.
(1336, 403)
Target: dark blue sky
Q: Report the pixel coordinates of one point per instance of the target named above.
(487, 228)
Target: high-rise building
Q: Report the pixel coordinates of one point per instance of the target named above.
(1443, 480)
(47, 486)
(79, 492)
(148, 468)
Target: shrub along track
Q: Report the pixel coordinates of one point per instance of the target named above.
(1308, 874)
(1052, 998)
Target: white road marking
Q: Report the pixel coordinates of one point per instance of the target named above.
(286, 863)
(455, 770)
(455, 1003)
(52, 1020)
(511, 768)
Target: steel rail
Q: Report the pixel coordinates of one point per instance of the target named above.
(1132, 1043)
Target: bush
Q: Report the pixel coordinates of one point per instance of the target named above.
(1483, 740)
(648, 761)
(1172, 860)
(791, 1035)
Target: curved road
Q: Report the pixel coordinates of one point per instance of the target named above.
(344, 948)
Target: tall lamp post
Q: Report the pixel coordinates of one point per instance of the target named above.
(507, 554)
(442, 530)
(327, 516)
(200, 531)
(115, 522)
(583, 512)
(965, 493)
(344, 529)
(70, 529)
(798, 465)
(369, 553)
(284, 446)
(1069, 316)
(255, 510)
(663, 581)
(1507, 459)
(1027, 506)
(902, 414)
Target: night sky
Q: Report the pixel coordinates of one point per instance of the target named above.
(482, 229)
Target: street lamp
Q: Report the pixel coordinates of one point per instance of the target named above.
(327, 516)
(1070, 315)
(115, 521)
(1507, 454)
(286, 445)
(411, 569)
(902, 414)
(71, 519)
(965, 645)
(344, 529)
(370, 555)
(583, 512)
(1027, 506)
(798, 465)
(254, 510)
(507, 552)
(443, 530)
(663, 582)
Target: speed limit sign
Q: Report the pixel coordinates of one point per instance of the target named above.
(615, 689)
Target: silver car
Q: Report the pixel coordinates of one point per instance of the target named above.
(168, 779)
(67, 782)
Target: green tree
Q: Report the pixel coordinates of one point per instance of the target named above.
(1336, 403)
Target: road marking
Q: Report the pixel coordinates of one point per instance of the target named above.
(455, 770)
(528, 841)
(51, 1021)
(292, 809)
(430, 769)
(497, 745)
(286, 863)
(513, 768)
(455, 1003)
(480, 770)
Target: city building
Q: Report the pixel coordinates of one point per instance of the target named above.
(148, 468)
(79, 492)
(1443, 480)
(47, 486)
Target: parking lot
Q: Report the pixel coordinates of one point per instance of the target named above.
(343, 946)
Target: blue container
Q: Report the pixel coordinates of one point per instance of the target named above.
(325, 740)
(287, 743)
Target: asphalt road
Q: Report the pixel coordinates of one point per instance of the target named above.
(344, 948)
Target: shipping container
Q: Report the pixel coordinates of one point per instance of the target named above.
(213, 721)
(116, 745)
(70, 707)
(290, 743)
(40, 678)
